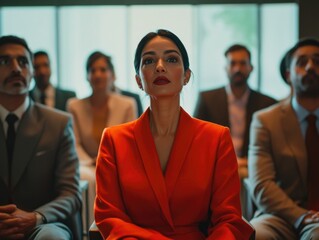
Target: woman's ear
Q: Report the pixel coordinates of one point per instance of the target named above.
(139, 82)
(188, 73)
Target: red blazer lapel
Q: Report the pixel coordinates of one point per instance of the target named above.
(183, 139)
(147, 149)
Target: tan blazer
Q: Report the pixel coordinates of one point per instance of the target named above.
(277, 161)
(122, 109)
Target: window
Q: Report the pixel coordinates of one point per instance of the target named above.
(70, 34)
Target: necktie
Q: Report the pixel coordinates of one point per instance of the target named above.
(312, 145)
(42, 98)
(11, 119)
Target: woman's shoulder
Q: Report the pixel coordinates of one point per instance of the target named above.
(75, 103)
(209, 126)
(121, 98)
(119, 131)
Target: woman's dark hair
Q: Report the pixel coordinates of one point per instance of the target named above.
(162, 33)
(97, 55)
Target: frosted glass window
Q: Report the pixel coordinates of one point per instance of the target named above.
(36, 25)
(279, 33)
(87, 29)
(221, 26)
(72, 33)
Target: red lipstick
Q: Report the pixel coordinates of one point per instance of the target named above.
(161, 80)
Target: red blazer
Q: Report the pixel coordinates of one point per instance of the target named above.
(135, 200)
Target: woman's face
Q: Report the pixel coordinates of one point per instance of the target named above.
(100, 76)
(162, 72)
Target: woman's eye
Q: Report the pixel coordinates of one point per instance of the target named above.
(148, 61)
(172, 60)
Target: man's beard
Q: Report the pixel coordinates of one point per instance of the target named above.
(309, 87)
(239, 79)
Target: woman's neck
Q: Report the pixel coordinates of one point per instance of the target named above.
(164, 117)
(99, 99)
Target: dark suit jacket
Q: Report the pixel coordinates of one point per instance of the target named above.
(61, 97)
(137, 99)
(136, 200)
(212, 106)
(45, 173)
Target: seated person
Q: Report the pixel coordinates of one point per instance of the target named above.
(39, 169)
(167, 175)
(283, 154)
(44, 92)
(96, 112)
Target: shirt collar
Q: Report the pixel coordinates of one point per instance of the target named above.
(301, 112)
(18, 112)
(231, 97)
(49, 91)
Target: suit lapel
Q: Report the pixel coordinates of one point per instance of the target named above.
(58, 99)
(182, 142)
(295, 140)
(28, 134)
(147, 149)
(221, 110)
(3, 156)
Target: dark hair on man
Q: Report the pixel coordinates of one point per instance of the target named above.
(162, 33)
(238, 47)
(10, 39)
(299, 44)
(40, 53)
(97, 55)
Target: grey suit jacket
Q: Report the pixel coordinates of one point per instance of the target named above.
(278, 163)
(45, 175)
(212, 106)
(61, 98)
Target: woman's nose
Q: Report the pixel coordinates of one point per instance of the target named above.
(160, 67)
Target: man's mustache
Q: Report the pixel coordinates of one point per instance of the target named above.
(311, 75)
(14, 76)
(238, 74)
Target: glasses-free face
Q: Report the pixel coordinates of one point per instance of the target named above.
(15, 69)
(161, 69)
(100, 76)
(42, 71)
(304, 71)
(238, 67)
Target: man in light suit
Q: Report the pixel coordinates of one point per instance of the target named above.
(39, 177)
(283, 180)
(44, 92)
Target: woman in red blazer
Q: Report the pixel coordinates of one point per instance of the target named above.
(167, 175)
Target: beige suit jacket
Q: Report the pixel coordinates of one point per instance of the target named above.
(277, 161)
(121, 109)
